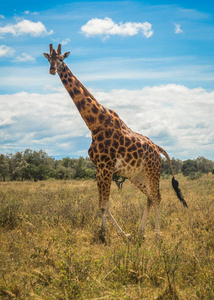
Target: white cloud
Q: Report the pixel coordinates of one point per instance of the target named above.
(38, 121)
(6, 51)
(65, 42)
(2, 17)
(25, 27)
(106, 27)
(27, 12)
(24, 57)
(173, 116)
(178, 28)
(170, 115)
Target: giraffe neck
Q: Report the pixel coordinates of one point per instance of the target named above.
(94, 114)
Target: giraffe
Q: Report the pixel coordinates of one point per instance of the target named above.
(115, 148)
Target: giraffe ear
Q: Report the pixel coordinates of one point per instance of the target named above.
(46, 55)
(66, 54)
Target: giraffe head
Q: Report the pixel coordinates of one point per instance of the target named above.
(56, 59)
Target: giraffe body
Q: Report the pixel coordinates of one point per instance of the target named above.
(115, 148)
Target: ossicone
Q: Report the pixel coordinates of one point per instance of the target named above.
(51, 48)
(59, 49)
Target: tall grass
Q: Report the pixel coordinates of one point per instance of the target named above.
(49, 245)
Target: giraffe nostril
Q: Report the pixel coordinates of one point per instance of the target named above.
(52, 71)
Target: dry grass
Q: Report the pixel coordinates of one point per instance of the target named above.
(49, 246)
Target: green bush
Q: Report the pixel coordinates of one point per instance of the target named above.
(194, 175)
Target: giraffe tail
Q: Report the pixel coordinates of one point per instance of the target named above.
(175, 183)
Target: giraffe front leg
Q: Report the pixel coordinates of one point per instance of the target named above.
(105, 213)
(103, 225)
(118, 228)
(104, 178)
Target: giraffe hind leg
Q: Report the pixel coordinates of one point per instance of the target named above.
(140, 182)
(157, 223)
(150, 187)
(142, 227)
(155, 197)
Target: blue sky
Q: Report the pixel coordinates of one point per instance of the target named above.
(150, 61)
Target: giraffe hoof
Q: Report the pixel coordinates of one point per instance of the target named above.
(102, 237)
(142, 235)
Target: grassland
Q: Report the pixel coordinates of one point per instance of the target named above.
(49, 245)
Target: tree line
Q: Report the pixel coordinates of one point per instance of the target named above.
(38, 165)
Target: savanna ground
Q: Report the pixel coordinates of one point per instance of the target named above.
(49, 245)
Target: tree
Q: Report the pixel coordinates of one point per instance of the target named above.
(17, 166)
(4, 166)
(61, 172)
(39, 164)
(66, 162)
(90, 170)
(189, 166)
(176, 164)
(165, 168)
(204, 165)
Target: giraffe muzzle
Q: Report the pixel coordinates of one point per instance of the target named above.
(52, 71)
